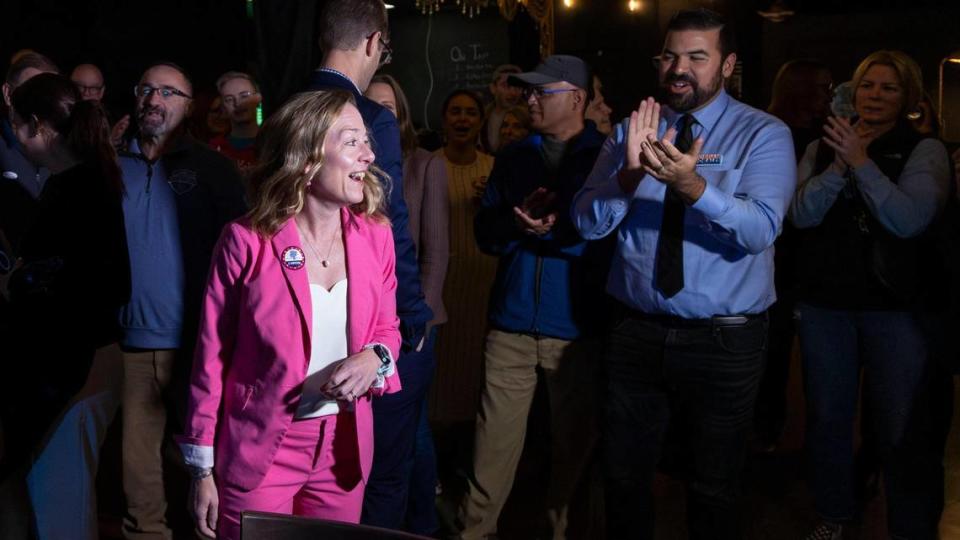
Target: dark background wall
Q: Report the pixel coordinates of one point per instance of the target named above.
(439, 54)
(840, 33)
(278, 41)
(206, 37)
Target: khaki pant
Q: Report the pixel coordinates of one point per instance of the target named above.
(510, 362)
(146, 375)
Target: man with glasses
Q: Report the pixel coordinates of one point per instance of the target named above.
(89, 81)
(694, 191)
(544, 303)
(240, 96)
(353, 38)
(179, 195)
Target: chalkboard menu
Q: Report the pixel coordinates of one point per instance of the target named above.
(434, 55)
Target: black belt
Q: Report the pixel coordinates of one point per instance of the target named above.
(673, 321)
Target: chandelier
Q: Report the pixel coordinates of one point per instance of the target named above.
(428, 7)
(467, 7)
(778, 11)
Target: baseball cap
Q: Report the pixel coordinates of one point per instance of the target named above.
(556, 68)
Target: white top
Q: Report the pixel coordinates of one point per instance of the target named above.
(328, 346)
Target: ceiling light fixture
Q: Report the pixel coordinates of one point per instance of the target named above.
(778, 11)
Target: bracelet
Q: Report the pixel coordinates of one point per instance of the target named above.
(199, 473)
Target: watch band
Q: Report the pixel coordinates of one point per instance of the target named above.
(199, 473)
(383, 354)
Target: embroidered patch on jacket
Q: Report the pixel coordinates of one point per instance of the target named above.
(182, 180)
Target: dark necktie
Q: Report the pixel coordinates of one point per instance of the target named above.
(669, 263)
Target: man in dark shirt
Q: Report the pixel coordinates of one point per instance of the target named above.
(179, 195)
(353, 37)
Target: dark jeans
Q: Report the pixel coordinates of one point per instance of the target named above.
(892, 349)
(396, 422)
(421, 502)
(770, 411)
(701, 381)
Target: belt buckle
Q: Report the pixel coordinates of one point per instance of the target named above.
(729, 320)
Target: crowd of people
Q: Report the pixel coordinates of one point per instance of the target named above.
(296, 304)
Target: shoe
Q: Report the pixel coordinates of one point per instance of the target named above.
(826, 531)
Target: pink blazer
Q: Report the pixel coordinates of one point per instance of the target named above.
(253, 347)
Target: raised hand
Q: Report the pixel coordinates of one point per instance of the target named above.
(118, 129)
(850, 142)
(643, 126)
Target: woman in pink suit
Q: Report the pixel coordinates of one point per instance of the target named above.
(298, 330)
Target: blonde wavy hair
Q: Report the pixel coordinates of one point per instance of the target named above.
(290, 154)
(907, 70)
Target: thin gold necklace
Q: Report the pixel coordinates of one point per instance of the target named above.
(324, 261)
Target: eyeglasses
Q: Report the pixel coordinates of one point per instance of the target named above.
(88, 89)
(239, 98)
(386, 53)
(538, 91)
(145, 91)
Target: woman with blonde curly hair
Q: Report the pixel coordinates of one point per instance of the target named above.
(869, 195)
(298, 330)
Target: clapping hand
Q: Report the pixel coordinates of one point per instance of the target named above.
(678, 170)
(664, 161)
(850, 142)
(534, 216)
(643, 126)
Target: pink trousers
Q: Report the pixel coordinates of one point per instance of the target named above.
(315, 473)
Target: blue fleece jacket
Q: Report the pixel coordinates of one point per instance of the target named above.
(550, 285)
(154, 317)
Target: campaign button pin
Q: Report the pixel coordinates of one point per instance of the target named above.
(710, 159)
(293, 258)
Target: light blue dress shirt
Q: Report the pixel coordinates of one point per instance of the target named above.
(748, 163)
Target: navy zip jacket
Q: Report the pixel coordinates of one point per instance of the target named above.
(550, 285)
(412, 307)
(208, 193)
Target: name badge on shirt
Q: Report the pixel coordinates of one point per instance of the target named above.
(709, 159)
(293, 258)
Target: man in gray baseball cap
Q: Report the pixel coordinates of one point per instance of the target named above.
(552, 91)
(556, 68)
(545, 302)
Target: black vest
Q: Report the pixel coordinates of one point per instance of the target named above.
(850, 261)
